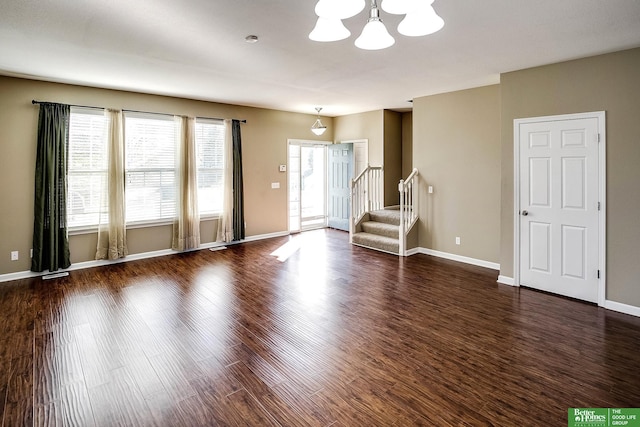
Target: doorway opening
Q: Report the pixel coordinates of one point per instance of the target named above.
(307, 185)
(318, 183)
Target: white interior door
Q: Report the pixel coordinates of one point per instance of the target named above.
(559, 206)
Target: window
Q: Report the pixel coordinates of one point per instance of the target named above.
(87, 166)
(150, 167)
(210, 160)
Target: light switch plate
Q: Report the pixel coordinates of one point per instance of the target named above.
(275, 185)
(283, 168)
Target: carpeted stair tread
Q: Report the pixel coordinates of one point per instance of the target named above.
(375, 241)
(381, 229)
(387, 216)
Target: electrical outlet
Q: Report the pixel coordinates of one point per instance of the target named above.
(14, 255)
(457, 240)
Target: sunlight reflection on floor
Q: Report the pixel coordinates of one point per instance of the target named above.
(311, 268)
(291, 247)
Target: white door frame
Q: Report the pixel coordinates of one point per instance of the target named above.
(358, 142)
(301, 142)
(602, 196)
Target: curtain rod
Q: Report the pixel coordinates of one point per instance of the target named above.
(33, 101)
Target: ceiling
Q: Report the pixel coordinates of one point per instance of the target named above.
(197, 49)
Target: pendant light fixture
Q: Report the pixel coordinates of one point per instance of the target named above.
(318, 128)
(420, 20)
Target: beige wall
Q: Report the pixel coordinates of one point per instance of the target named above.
(392, 156)
(608, 83)
(264, 145)
(407, 144)
(456, 148)
(368, 126)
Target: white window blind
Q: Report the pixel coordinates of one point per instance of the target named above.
(87, 166)
(150, 167)
(210, 151)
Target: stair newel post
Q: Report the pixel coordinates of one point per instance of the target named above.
(401, 233)
(353, 202)
(414, 200)
(370, 190)
(409, 200)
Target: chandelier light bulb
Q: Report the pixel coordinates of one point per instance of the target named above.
(329, 30)
(397, 7)
(421, 21)
(374, 35)
(339, 9)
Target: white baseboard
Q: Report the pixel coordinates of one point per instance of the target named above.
(134, 257)
(20, 275)
(413, 251)
(506, 280)
(459, 258)
(263, 236)
(622, 308)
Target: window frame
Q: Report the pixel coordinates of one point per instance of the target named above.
(209, 215)
(158, 221)
(71, 172)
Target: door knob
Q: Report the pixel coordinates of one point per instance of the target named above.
(525, 213)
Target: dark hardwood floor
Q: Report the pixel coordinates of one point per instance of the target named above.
(327, 335)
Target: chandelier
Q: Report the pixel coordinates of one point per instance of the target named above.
(420, 20)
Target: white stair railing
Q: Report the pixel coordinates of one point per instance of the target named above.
(408, 189)
(366, 195)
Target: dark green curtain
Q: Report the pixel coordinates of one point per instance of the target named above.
(238, 191)
(50, 242)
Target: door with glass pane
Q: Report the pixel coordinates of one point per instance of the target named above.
(340, 175)
(307, 186)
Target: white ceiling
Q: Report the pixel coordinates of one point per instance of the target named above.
(196, 48)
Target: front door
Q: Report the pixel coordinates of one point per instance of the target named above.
(340, 174)
(559, 205)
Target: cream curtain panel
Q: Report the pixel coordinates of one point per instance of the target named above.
(112, 235)
(186, 227)
(225, 222)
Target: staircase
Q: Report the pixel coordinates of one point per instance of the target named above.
(379, 230)
(375, 227)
